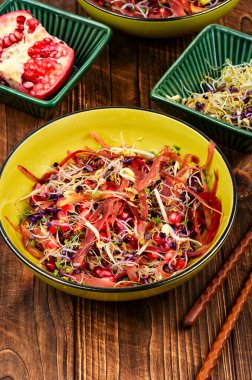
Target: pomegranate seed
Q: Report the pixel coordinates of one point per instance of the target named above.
(18, 35)
(152, 255)
(158, 239)
(28, 85)
(139, 162)
(50, 266)
(21, 19)
(98, 271)
(20, 27)
(32, 23)
(36, 51)
(53, 53)
(6, 42)
(103, 235)
(52, 81)
(12, 38)
(89, 183)
(30, 51)
(107, 273)
(37, 44)
(1, 42)
(102, 272)
(44, 53)
(180, 264)
(53, 230)
(175, 218)
(28, 74)
(68, 207)
(39, 86)
(31, 64)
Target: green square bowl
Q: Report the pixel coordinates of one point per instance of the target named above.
(208, 51)
(87, 38)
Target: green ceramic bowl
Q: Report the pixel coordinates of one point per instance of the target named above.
(86, 37)
(209, 50)
(147, 130)
(167, 27)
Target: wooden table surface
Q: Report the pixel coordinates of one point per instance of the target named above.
(46, 334)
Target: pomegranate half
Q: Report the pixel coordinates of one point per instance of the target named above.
(31, 60)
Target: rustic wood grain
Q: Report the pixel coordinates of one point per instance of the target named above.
(47, 335)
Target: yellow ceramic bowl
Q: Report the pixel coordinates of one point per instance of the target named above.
(148, 130)
(158, 27)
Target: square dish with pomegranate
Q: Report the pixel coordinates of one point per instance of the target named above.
(31, 60)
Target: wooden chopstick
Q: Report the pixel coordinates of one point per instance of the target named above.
(216, 282)
(225, 332)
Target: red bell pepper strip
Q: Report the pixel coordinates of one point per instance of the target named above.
(28, 173)
(26, 239)
(216, 180)
(176, 8)
(197, 196)
(17, 228)
(196, 223)
(195, 9)
(215, 204)
(105, 282)
(99, 140)
(72, 155)
(210, 153)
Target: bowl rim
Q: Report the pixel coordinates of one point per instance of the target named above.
(154, 95)
(157, 20)
(179, 275)
(75, 76)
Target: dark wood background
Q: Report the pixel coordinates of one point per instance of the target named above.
(45, 334)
